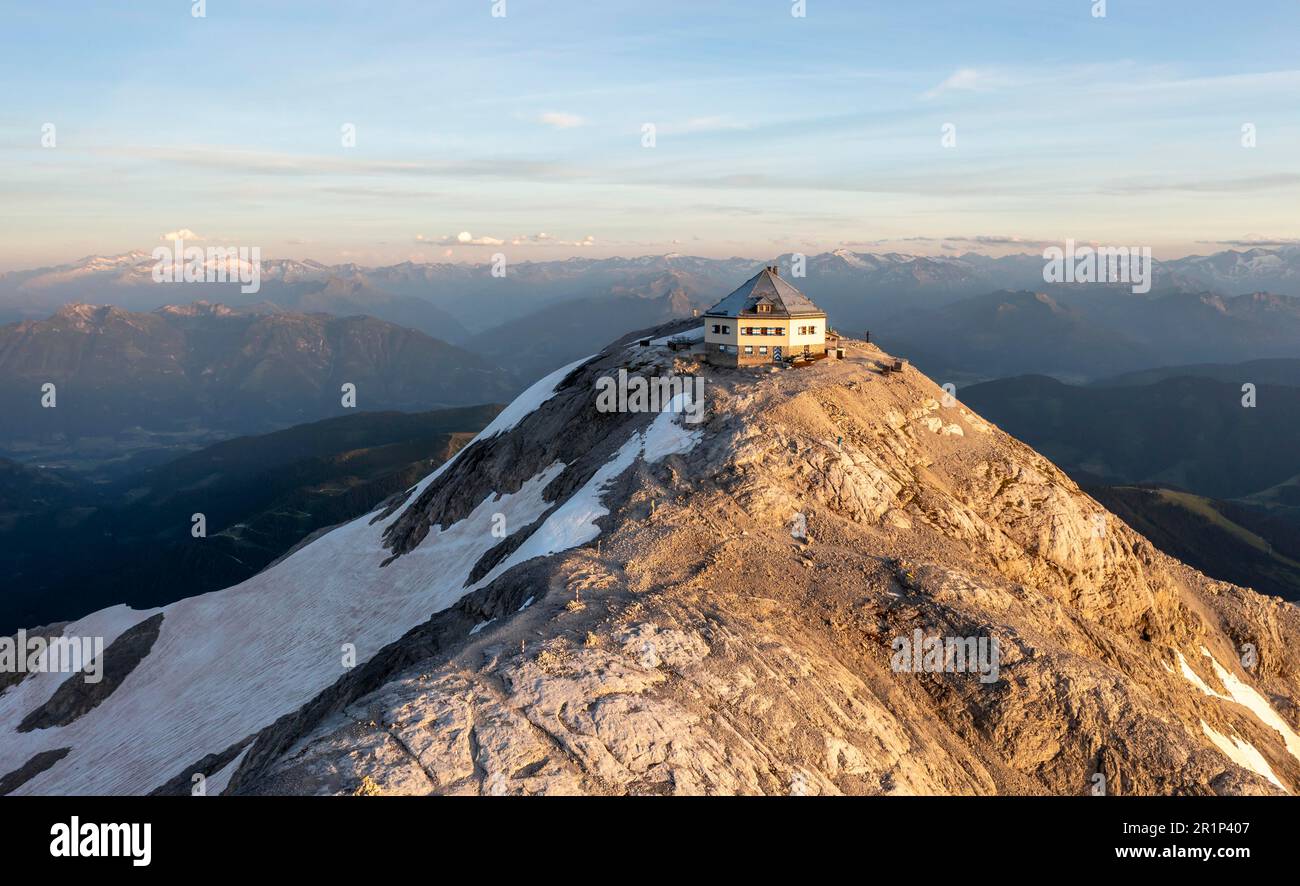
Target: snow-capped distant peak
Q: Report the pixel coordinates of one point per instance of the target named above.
(850, 258)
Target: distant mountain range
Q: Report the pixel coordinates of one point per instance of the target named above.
(1085, 334)
(1183, 431)
(1261, 372)
(840, 280)
(203, 372)
(561, 333)
(1217, 307)
(444, 300)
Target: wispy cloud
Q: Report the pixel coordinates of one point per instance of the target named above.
(1237, 185)
(1115, 79)
(241, 160)
(1252, 241)
(560, 120)
(969, 80)
(965, 241)
(708, 123)
(999, 240)
(182, 234)
(544, 239)
(465, 238)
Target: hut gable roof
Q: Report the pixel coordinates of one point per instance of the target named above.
(765, 287)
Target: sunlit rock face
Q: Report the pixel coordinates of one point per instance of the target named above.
(839, 580)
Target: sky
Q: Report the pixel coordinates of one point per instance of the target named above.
(932, 127)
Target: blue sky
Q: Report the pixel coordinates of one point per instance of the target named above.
(773, 133)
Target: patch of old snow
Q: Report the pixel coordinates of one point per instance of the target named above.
(1192, 677)
(851, 259)
(480, 626)
(519, 409)
(1245, 695)
(667, 434)
(1243, 753)
(229, 663)
(528, 402)
(221, 778)
(574, 522)
(38, 687)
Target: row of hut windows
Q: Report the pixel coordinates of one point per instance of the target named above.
(720, 329)
(748, 349)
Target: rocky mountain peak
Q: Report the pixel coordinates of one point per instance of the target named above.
(200, 308)
(838, 580)
(729, 619)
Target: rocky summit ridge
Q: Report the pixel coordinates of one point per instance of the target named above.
(631, 603)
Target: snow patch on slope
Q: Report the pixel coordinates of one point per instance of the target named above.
(528, 402)
(228, 663)
(667, 435)
(39, 686)
(221, 778)
(1243, 753)
(1245, 695)
(851, 259)
(574, 522)
(520, 408)
(1195, 679)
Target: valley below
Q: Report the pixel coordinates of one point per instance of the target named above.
(259, 496)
